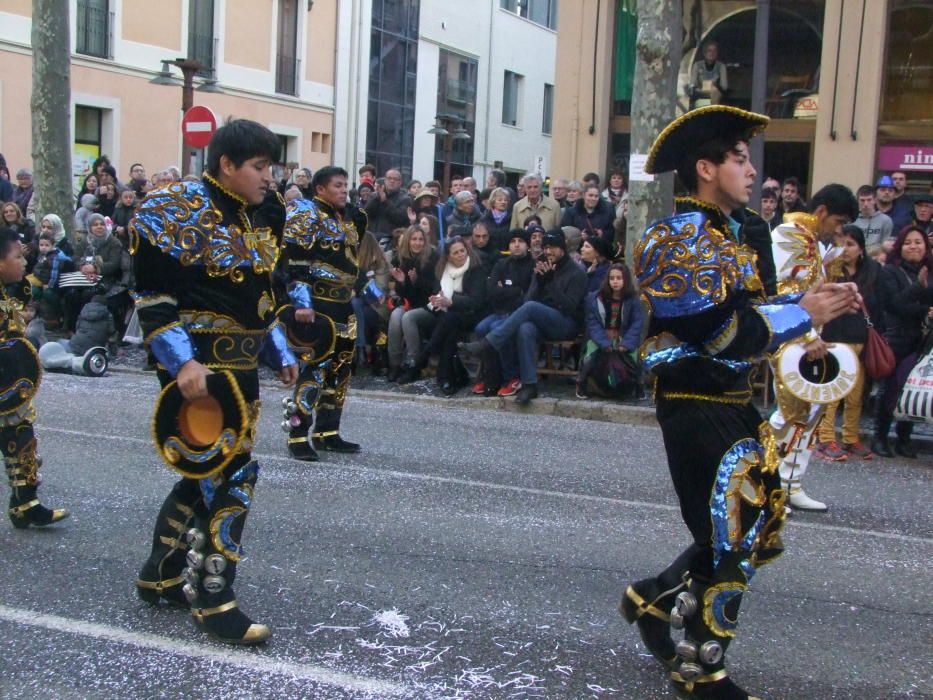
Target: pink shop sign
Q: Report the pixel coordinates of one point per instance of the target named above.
(914, 157)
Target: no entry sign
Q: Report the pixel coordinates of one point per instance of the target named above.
(198, 126)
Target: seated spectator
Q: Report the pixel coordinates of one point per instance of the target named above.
(122, 214)
(465, 211)
(553, 310)
(535, 241)
(592, 214)
(23, 193)
(413, 272)
(104, 255)
(482, 245)
(53, 225)
(94, 327)
(506, 287)
(596, 257)
(35, 326)
(369, 301)
(769, 208)
(13, 219)
(614, 319)
(536, 203)
(574, 239)
(50, 263)
(429, 226)
(456, 307)
(88, 207)
(89, 186)
(709, 81)
(497, 218)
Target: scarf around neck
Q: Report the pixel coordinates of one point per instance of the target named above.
(452, 279)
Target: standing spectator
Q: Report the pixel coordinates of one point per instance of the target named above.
(106, 199)
(497, 218)
(851, 329)
(455, 306)
(456, 186)
(902, 204)
(907, 299)
(138, 181)
(616, 192)
(590, 179)
(596, 257)
(614, 319)
(414, 187)
(302, 180)
(414, 273)
(771, 183)
(430, 226)
(592, 214)
(876, 227)
(122, 214)
(23, 192)
(468, 184)
(6, 188)
(923, 212)
(506, 287)
(465, 211)
(559, 191)
(553, 310)
(367, 171)
(535, 203)
(709, 81)
(769, 208)
(363, 193)
(388, 208)
(89, 186)
(574, 193)
(424, 202)
(88, 207)
(495, 179)
(791, 200)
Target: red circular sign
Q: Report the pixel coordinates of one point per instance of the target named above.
(198, 126)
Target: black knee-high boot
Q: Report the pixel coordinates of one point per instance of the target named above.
(298, 415)
(648, 603)
(161, 576)
(214, 551)
(326, 435)
(18, 445)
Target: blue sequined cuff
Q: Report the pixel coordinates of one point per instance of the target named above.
(785, 322)
(300, 294)
(172, 347)
(275, 351)
(790, 298)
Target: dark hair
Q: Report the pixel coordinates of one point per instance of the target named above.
(7, 238)
(533, 219)
(432, 183)
(838, 200)
(865, 190)
(459, 232)
(472, 255)
(485, 193)
(367, 168)
(240, 140)
(791, 181)
(87, 177)
(498, 177)
(616, 171)
(323, 176)
(628, 287)
(715, 151)
(104, 158)
(895, 257)
(111, 171)
(591, 176)
(434, 226)
(769, 193)
(135, 164)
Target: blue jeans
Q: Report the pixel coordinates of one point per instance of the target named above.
(526, 327)
(509, 354)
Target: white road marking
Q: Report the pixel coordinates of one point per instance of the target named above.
(224, 655)
(527, 490)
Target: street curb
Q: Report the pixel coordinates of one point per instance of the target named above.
(604, 412)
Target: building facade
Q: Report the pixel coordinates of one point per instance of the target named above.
(483, 70)
(273, 61)
(849, 85)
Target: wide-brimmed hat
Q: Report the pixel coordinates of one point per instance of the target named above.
(199, 438)
(689, 131)
(425, 193)
(313, 341)
(922, 197)
(20, 374)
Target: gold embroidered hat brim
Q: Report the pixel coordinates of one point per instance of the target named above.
(697, 127)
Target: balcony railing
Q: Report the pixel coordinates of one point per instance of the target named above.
(460, 91)
(287, 71)
(203, 48)
(92, 30)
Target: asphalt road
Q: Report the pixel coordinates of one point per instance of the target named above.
(462, 554)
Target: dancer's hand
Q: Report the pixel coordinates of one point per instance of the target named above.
(192, 380)
(828, 300)
(304, 315)
(288, 375)
(816, 349)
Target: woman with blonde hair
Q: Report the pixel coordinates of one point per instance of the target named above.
(369, 299)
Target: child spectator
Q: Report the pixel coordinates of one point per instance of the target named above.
(595, 256)
(122, 214)
(50, 264)
(614, 319)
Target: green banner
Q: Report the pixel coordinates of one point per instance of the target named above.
(626, 32)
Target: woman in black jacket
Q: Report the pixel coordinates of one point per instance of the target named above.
(456, 306)
(592, 214)
(907, 300)
(413, 274)
(497, 218)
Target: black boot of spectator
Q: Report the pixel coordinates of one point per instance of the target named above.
(526, 394)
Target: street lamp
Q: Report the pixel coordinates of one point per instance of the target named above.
(450, 128)
(189, 67)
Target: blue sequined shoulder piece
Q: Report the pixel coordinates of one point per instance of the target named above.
(180, 221)
(686, 266)
(305, 223)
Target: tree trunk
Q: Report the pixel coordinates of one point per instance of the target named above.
(654, 98)
(51, 110)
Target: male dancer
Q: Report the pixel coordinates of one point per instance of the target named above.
(322, 237)
(21, 381)
(206, 302)
(810, 236)
(710, 323)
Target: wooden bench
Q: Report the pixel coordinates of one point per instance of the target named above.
(567, 360)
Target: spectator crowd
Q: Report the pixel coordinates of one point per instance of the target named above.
(505, 278)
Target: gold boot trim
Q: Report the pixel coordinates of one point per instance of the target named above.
(173, 542)
(293, 441)
(177, 526)
(327, 433)
(159, 586)
(184, 510)
(59, 514)
(708, 678)
(201, 613)
(19, 510)
(644, 606)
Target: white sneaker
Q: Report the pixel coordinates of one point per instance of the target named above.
(801, 501)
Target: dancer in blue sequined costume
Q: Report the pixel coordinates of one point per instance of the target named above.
(711, 323)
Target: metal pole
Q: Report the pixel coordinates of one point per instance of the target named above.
(448, 148)
(759, 91)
